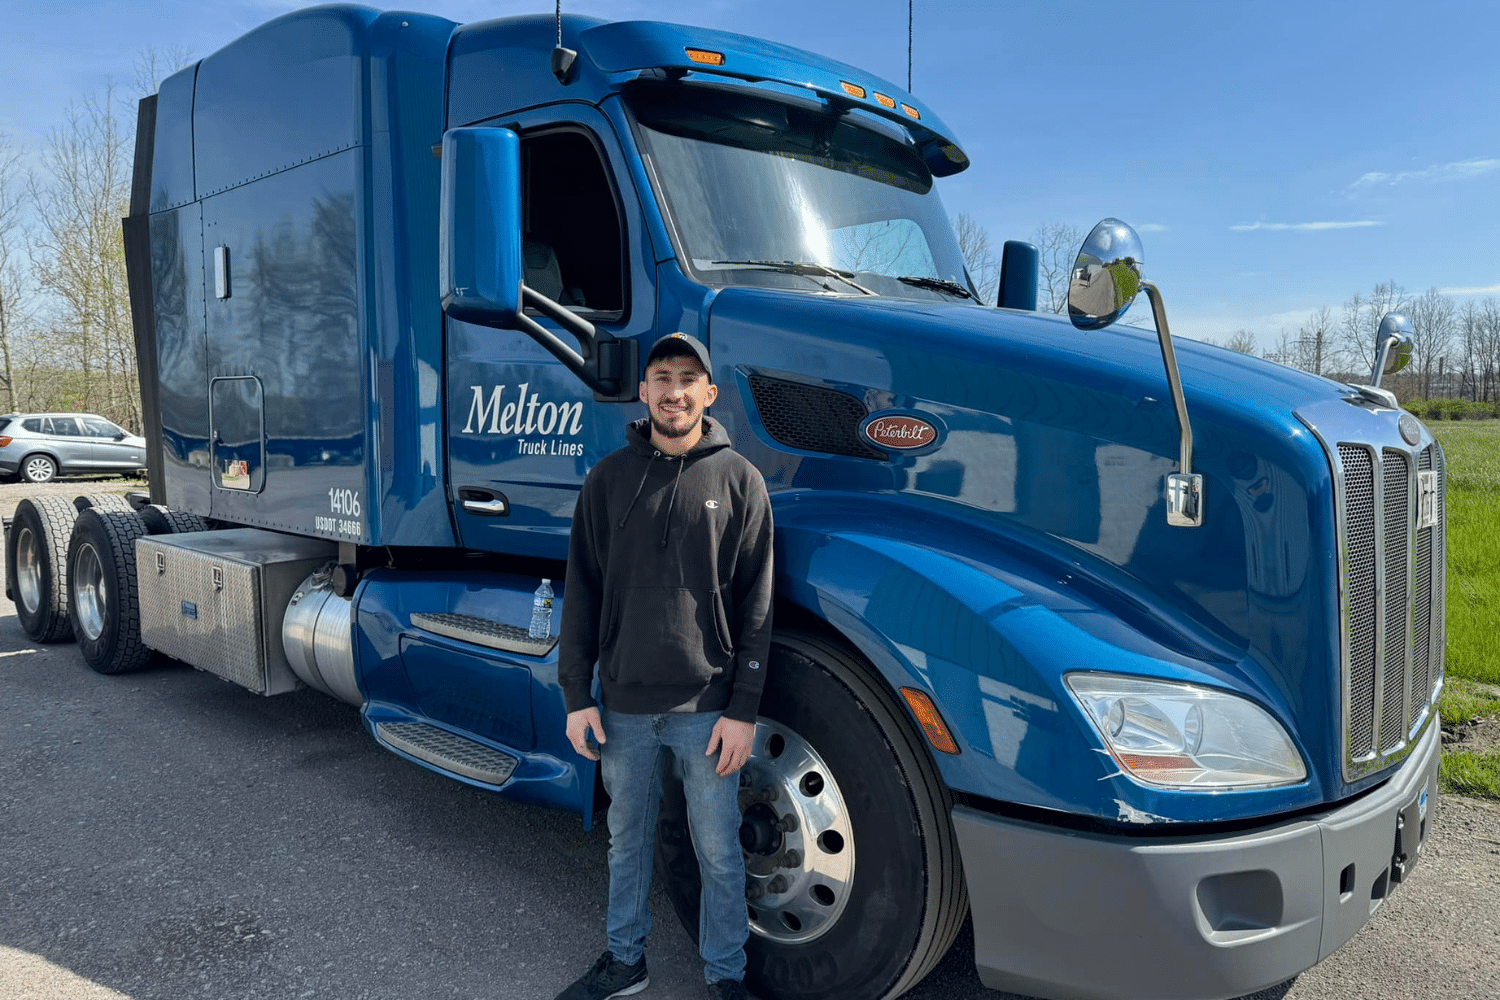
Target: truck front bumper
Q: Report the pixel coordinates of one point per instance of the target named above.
(1080, 916)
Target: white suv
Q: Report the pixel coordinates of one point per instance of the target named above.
(41, 446)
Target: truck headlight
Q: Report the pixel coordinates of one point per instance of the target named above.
(1177, 735)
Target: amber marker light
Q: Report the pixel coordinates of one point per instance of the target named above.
(5, 442)
(889, 102)
(706, 57)
(911, 112)
(931, 722)
(852, 89)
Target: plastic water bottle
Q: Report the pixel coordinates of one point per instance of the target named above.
(541, 611)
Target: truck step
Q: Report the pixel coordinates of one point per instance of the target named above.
(484, 633)
(447, 751)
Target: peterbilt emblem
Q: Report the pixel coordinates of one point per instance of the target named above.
(900, 432)
(1411, 428)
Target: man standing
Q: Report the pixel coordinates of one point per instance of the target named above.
(669, 590)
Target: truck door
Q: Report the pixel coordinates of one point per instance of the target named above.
(523, 430)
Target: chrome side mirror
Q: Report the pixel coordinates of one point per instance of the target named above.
(1106, 276)
(1393, 345)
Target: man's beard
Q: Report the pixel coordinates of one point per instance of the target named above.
(668, 431)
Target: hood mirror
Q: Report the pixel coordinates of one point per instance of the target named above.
(1393, 344)
(1106, 276)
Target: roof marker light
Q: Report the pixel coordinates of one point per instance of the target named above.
(889, 102)
(852, 89)
(705, 56)
(912, 112)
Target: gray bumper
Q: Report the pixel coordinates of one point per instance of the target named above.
(1076, 916)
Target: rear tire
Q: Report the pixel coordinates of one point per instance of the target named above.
(101, 501)
(161, 520)
(36, 561)
(103, 593)
(863, 915)
(38, 469)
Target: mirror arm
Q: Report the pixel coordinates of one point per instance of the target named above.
(605, 364)
(584, 331)
(1184, 489)
(1382, 352)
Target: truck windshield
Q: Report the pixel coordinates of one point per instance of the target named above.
(791, 195)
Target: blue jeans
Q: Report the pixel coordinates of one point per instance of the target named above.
(632, 758)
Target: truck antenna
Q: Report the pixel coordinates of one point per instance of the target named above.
(562, 59)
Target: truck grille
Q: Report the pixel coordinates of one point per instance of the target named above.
(1392, 569)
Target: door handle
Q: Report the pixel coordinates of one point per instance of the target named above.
(486, 503)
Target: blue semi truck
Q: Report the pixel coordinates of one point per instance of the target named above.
(1133, 657)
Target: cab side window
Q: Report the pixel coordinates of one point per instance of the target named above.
(572, 247)
(63, 427)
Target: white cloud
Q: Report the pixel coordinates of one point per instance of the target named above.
(1305, 226)
(1438, 173)
(1151, 227)
(1486, 290)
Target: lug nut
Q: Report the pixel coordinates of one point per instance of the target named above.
(787, 823)
(791, 859)
(777, 885)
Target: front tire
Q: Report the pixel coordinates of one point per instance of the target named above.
(844, 806)
(103, 593)
(38, 469)
(36, 559)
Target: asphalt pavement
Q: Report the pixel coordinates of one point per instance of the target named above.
(168, 835)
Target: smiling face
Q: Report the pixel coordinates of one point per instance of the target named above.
(676, 391)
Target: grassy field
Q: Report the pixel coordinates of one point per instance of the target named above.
(1473, 655)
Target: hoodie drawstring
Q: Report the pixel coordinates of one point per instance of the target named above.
(672, 502)
(639, 487)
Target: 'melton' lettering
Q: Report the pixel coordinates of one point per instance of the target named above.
(526, 414)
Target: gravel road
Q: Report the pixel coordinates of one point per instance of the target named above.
(167, 836)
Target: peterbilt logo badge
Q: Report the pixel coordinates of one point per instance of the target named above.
(1411, 429)
(900, 432)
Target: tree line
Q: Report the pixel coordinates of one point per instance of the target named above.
(1456, 342)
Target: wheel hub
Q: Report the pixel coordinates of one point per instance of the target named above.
(90, 594)
(29, 570)
(758, 831)
(799, 848)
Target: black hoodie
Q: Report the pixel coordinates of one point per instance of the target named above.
(669, 581)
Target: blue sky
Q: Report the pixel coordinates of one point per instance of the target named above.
(1277, 156)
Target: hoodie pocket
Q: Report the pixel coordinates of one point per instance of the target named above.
(667, 635)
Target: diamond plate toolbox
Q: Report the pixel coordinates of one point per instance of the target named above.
(216, 599)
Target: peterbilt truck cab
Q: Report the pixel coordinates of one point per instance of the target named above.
(1127, 651)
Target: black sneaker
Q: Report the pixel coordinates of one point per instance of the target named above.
(728, 989)
(609, 978)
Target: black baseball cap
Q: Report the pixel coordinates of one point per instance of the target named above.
(680, 344)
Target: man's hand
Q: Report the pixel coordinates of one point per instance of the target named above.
(733, 739)
(580, 723)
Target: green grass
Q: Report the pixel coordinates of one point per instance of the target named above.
(1473, 454)
(1467, 773)
(1463, 701)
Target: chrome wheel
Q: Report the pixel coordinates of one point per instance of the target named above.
(39, 469)
(29, 570)
(799, 848)
(90, 593)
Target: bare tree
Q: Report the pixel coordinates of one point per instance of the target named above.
(78, 254)
(974, 244)
(1314, 349)
(13, 315)
(1361, 318)
(1432, 318)
(1057, 245)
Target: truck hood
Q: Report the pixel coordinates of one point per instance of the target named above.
(1059, 441)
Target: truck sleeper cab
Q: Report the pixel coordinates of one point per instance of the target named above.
(390, 277)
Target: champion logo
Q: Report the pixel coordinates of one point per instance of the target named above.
(754, 664)
(711, 504)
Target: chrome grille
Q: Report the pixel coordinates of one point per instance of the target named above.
(1392, 601)
(1397, 607)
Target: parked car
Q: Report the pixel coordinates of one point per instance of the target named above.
(41, 446)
